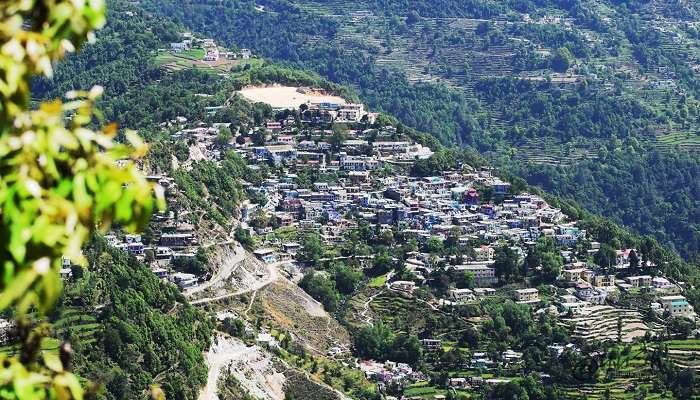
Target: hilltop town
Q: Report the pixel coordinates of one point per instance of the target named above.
(347, 206)
(368, 200)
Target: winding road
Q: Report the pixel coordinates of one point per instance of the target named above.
(230, 262)
(272, 275)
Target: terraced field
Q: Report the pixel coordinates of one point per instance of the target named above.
(685, 353)
(624, 378)
(72, 324)
(193, 59)
(455, 52)
(76, 324)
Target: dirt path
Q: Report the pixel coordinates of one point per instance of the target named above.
(252, 367)
(271, 276)
(365, 310)
(231, 260)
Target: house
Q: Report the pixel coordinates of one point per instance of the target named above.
(276, 153)
(160, 272)
(572, 275)
(677, 306)
(358, 163)
(483, 273)
(586, 292)
(602, 280)
(66, 273)
(461, 295)
(484, 292)
(276, 127)
(183, 280)
(639, 281)
(459, 383)
(181, 46)
(212, 54)
(500, 187)
(291, 247)
(530, 295)
(431, 344)
(266, 255)
(350, 113)
(135, 248)
(176, 239)
(662, 284)
(164, 254)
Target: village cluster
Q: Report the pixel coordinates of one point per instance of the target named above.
(212, 52)
(426, 207)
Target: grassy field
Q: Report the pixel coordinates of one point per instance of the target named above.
(193, 54)
(378, 281)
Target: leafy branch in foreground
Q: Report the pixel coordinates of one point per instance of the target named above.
(59, 181)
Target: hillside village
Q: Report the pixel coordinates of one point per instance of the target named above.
(358, 184)
(271, 230)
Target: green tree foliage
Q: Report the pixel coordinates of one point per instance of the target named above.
(147, 332)
(58, 181)
(664, 202)
(346, 278)
(312, 249)
(606, 257)
(198, 265)
(544, 260)
(507, 264)
(589, 113)
(321, 288)
(379, 342)
(562, 59)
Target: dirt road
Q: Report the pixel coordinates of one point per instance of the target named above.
(231, 260)
(252, 367)
(271, 276)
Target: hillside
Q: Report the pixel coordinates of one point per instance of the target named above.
(335, 256)
(569, 84)
(130, 330)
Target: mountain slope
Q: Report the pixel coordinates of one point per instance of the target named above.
(528, 83)
(130, 330)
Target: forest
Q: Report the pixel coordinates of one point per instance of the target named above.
(130, 330)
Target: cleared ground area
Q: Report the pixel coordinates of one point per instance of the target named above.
(287, 96)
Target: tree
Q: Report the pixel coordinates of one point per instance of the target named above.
(413, 17)
(318, 286)
(507, 265)
(338, 137)
(434, 245)
(312, 248)
(347, 279)
(561, 60)
(634, 259)
(58, 181)
(606, 257)
(223, 138)
(551, 267)
(374, 340)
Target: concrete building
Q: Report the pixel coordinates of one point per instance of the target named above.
(639, 281)
(677, 306)
(529, 295)
(461, 295)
